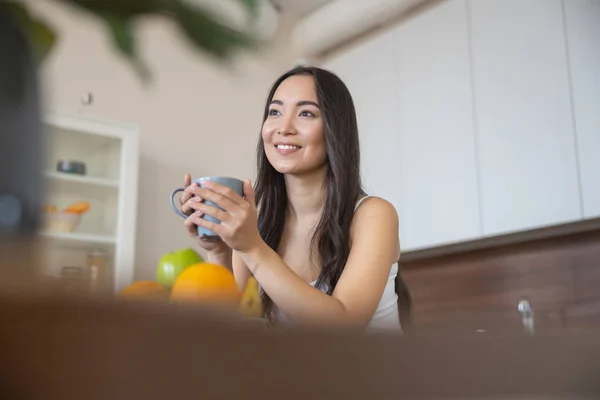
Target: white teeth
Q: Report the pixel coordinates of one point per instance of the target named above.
(287, 147)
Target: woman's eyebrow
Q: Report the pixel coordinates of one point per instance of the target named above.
(300, 103)
(307, 103)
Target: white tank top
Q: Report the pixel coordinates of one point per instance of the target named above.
(386, 315)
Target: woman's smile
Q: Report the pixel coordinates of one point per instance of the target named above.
(285, 148)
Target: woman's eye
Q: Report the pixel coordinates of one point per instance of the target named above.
(273, 112)
(306, 113)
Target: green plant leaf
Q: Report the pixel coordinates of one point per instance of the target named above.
(122, 33)
(199, 25)
(251, 6)
(123, 36)
(125, 8)
(202, 28)
(41, 37)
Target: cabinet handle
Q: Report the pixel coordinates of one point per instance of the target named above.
(526, 312)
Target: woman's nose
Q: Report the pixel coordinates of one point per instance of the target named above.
(287, 126)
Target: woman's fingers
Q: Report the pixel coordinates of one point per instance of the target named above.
(190, 225)
(217, 198)
(187, 181)
(196, 219)
(214, 212)
(188, 198)
(225, 191)
(186, 207)
(191, 205)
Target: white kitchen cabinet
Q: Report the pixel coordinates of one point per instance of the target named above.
(525, 128)
(439, 201)
(412, 92)
(369, 71)
(582, 19)
(480, 118)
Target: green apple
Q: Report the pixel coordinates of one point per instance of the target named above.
(172, 264)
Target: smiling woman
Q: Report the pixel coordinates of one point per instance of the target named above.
(323, 251)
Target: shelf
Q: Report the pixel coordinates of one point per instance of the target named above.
(101, 154)
(80, 240)
(103, 129)
(82, 179)
(110, 152)
(78, 188)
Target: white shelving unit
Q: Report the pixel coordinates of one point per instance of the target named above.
(110, 151)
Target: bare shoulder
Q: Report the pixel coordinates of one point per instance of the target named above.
(375, 223)
(375, 209)
(375, 237)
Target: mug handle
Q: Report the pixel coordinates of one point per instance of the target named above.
(177, 210)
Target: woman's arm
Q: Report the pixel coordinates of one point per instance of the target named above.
(375, 248)
(240, 271)
(223, 258)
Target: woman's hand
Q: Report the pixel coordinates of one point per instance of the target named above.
(217, 250)
(238, 228)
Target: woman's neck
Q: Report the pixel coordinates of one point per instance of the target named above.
(306, 193)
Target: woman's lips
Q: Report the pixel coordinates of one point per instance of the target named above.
(286, 148)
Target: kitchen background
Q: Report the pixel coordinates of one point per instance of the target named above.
(479, 120)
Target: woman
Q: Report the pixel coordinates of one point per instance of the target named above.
(323, 252)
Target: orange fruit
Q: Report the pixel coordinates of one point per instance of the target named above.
(206, 283)
(144, 290)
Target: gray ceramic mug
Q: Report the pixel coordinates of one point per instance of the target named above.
(232, 183)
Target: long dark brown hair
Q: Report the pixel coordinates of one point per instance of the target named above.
(331, 237)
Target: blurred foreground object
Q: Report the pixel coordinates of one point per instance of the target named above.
(55, 349)
(21, 152)
(198, 20)
(20, 133)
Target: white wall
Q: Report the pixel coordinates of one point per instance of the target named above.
(197, 116)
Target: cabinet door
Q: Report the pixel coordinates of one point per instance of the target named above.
(369, 72)
(583, 42)
(525, 133)
(439, 203)
(412, 92)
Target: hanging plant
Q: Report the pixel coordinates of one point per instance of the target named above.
(198, 23)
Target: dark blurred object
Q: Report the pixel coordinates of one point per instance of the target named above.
(71, 167)
(21, 145)
(197, 23)
(55, 349)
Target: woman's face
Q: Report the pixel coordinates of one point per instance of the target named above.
(293, 134)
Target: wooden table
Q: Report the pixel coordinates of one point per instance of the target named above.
(61, 348)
